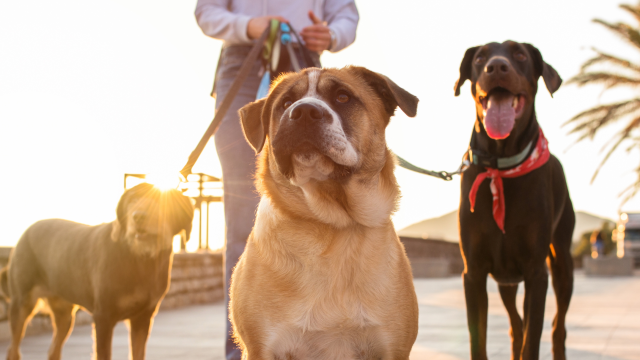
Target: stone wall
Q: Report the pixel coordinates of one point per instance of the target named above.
(608, 266)
(196, 278)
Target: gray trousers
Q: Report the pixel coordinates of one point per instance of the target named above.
(238, 161)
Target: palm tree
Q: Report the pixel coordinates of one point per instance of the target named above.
(612, 71)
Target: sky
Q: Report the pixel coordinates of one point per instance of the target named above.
(92, 90)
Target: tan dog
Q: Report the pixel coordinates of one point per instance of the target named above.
(116, 271)
(324, 275)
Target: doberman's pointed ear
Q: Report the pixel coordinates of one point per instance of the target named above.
(551, 78)
(392, 94)
(465, 68)
(255, 123)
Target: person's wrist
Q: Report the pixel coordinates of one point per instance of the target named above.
(332, 43)
(244, 28)
(250, 28)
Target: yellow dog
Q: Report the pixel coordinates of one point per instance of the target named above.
(324, 275)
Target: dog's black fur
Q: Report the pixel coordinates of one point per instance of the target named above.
(539, 218)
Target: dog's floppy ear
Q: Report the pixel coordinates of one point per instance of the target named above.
(254, 127)
(465, 68)
(551, 78)
(182, 210)
(120, 224)
(116, 230)
(392, 94)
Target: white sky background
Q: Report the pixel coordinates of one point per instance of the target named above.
(92, 90)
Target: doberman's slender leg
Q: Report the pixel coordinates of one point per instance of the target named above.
(475, 291)
(508, 295)
(561, 265)
(535, 295)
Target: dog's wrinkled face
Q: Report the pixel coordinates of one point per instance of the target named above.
(504, 81)
(310, 140)
(325, 157)
(321, 124)
(148, 218)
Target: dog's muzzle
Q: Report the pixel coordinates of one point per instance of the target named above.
(309, 128)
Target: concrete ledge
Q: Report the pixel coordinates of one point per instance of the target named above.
(430, 268)
(608, 266)
(432, 258)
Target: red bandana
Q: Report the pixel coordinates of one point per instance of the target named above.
(538, 157)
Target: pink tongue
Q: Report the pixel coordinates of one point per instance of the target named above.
(500, 116)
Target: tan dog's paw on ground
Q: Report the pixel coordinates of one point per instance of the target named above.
(324, 275)
(115, 271)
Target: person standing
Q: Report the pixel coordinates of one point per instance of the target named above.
(323, 25)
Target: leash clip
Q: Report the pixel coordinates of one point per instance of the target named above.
(448, 176)
(444, 175)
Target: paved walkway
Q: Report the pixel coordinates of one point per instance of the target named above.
(603, 324)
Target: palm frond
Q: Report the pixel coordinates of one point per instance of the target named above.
(621, 136)
(591, 120)
(633, 10)
(623, 30)
(609, 80)
(631, 191)
(635, 142)
(608, 58)
(624, 73)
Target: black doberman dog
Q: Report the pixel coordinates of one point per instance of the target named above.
(519, 221)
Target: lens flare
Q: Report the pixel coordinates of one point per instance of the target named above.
(164, 181)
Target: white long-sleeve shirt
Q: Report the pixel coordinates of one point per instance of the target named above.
(228, 19)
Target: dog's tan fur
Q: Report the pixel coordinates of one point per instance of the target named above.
(116, 271)
(324, 275)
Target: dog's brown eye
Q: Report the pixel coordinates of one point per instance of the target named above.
(479, 59)
(287, 103)
(520, 56)
(342, 98)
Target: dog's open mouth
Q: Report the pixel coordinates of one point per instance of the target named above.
(501, 108)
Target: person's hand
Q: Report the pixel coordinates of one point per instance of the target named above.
(257, 25)
(317, 36)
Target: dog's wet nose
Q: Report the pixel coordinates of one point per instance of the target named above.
(306, 111)
(497, 66)
(139, 216)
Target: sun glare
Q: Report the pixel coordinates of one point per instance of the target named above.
(164, 181)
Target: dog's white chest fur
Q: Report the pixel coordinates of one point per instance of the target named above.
(332, 327)
(341, 321)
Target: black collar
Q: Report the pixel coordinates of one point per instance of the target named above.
(481, 158)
